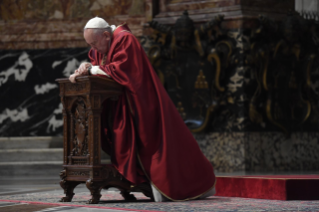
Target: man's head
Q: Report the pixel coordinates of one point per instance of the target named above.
(98, 34)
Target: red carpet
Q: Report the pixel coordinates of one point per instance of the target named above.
(273, 187)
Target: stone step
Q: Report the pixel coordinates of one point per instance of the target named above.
(33, 156)
(49, 154)
(35, 168)
(38, 168)
(52, 154)
(31, 142)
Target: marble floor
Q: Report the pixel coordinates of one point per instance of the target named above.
(28, 185)
(21, 185)
(9, 207)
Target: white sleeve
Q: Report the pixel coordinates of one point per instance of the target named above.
(96, 70)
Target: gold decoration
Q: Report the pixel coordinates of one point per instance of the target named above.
(308, 111)
(230, 100)
(199, 47)
(201, 82)
(309, 66)
(296, 50)
(162, 77)
(162, 38)
(181, 110)
(210, 58)
(265, 74)
(103, 62)
(269, 116)
(154, 55)
(277, 47)
(227, 43)
(210, 110)
(120, 25)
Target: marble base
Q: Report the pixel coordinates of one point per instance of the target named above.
(226, 151)
(260, 151)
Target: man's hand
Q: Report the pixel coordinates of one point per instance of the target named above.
(83, 69)
(73, 76)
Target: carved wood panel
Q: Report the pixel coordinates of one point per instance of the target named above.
(80, 130)
(70, 88)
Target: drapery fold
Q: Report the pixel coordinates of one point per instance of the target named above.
(147, 125)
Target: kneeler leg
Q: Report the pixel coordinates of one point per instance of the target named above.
(68, 188)
(127, 196)
(95, 189)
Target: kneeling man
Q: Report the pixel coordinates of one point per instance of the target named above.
(149, 141)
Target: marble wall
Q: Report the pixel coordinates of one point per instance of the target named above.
(273, 151)
(38, 24)
(238, 13)
(307, 5)
(261, 151)
(30, 102)
(226, 151)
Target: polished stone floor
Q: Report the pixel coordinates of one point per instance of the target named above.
(21, 185)
(29, 185)
(22, 207)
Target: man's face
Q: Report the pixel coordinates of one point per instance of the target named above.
(98, 42)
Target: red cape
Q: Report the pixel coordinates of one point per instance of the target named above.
(148, 127)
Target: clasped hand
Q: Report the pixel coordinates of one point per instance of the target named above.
(81, 71)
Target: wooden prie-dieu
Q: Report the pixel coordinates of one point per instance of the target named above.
(82, 107)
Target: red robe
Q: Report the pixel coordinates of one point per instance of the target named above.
(148, 132)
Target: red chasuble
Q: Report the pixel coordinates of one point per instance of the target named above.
(148, 132)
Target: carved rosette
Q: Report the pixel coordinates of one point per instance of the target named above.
(80, 131)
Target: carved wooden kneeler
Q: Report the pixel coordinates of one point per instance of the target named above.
(82, 107)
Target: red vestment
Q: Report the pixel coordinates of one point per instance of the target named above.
(148, 128)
